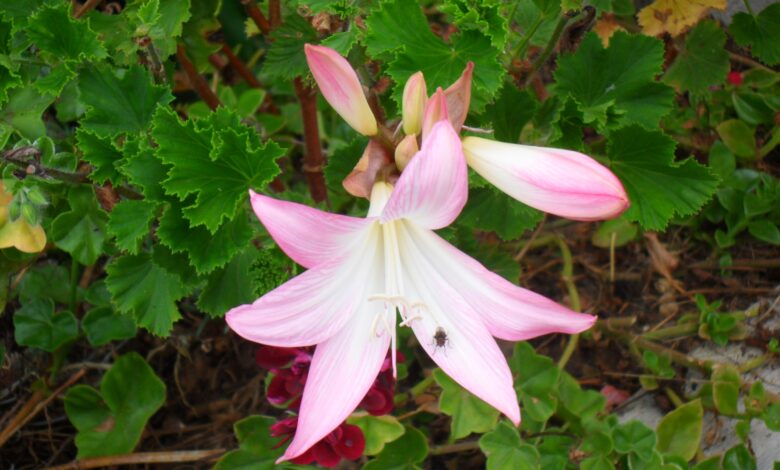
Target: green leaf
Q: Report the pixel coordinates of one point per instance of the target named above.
(760, 33)
(725, 388)
(230, 286)
(102, 325)
(257, 449)
(657, 186)
(144, 169)
(24, 109)
(469, 413)
(36, 325)
(483, 16)
(621, 90)
(286, 59)
(679, 432)
(45, 281)
(378, 430)
(206, 251)
(492, 210)
(537, 375)
(738, 458)
(703, 62)
(342, 42)
(771, 417)
(218, 164)
(623, 231)
(634, 437)
(764, 230)
(404, 453)
(599, 462)
(511, 112)
(752, 108)
(161, 21)
(102, 154)
(738, 137)
(398, 31)
(119, 104)
(81, 230)
(141, 288)
(129, 222)
(111, 421)
(504, 449)
(57, 34)
(56, 80)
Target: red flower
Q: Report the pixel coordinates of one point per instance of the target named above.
(344, 442)
(735, 78)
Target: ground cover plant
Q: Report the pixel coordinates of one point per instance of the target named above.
(241, 234)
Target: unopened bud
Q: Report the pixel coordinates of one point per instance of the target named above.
(405, 150)
(415, 96)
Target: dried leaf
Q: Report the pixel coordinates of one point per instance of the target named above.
(675, 16)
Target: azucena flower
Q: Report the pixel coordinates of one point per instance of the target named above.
(368, 276)
(561, 182)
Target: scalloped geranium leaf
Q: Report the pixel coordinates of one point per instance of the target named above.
(206, 251)
(285, 57)
(492, 210)
(404, 453)
(101, 153)
(218, 159)
(505, 449)
(231, 285)
(110, 421)
(760, 32)
(56, 33)
(658, 186)
(129, 223)
(378, 430)
(622, 89)
(144, 169)
(469, 413)
(680, 431)
(81, 230)
(117, 104)
(703, 62)
(36, 325)
(398, 31)
(141, 288)
(256, 448)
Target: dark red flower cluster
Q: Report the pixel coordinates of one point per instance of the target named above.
(290, 367)
(344, 442)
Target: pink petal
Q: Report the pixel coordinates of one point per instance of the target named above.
(433, 188)
(561, 182)
(509, 312)
(458, 97)
(309, 236)
(342, 371)
(313, 306)
(375, 158)
(435, 111)
(415, 96)
(470, 356)
(340, 86)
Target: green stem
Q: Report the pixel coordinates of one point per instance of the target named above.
(422, 386)
(749, 8)
(574, 298)
(676, 331)
(556, 35)
(74, 284)
(521, 47)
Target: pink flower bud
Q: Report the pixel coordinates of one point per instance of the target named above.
(435, 111)
(340, 86)
(405, 150)
(415, 96)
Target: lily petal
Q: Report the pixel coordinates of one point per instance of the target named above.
(509, 311)
(433, 188)
(314, 306)
(470, 356)
(309, 236)
(341, 373)
(561, 182)
(340, 86)
(458, 97)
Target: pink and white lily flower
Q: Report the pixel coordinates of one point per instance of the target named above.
(562, 182)
(368, 276)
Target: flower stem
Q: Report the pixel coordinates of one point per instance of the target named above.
(196, 80)
(313, 160)
(748, 7)
(257, 16)
(574, 299)
(542, 59)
